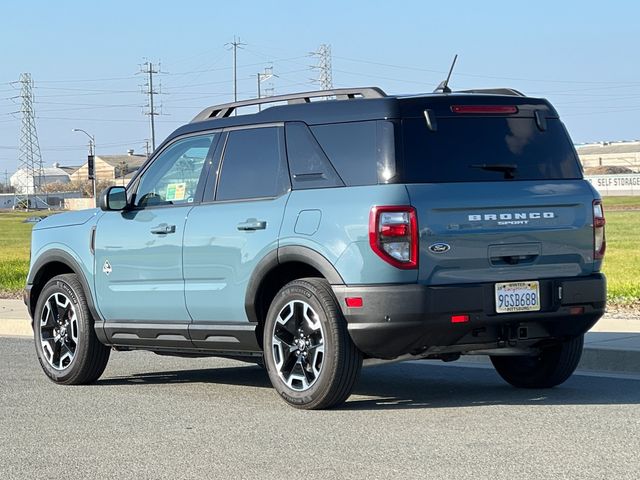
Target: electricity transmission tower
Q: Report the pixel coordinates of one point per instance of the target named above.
(150, 70)
(325, 76)
(29, 157)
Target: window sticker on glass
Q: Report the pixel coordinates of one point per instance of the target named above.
(176, 191)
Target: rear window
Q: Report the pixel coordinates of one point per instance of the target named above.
(484, 149)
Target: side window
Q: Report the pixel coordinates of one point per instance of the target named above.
(172, 178)
(363, 153)
(253, 165)
(310, 167)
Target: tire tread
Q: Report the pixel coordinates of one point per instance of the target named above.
(348, 359)
(97, 354)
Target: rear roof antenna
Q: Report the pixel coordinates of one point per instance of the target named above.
(444, 85)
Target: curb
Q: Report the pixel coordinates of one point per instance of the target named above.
(594, 359)
(610, 360)
(15, 328)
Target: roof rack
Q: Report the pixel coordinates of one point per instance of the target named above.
(226, 109)
(494, 91)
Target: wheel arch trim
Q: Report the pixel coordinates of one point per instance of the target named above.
(286, 254)
(56, 255)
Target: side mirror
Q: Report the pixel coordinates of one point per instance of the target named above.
(113, 198)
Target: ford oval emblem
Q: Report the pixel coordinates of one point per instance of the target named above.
(440, 247)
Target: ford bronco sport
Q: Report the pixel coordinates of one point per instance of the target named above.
(332, 228)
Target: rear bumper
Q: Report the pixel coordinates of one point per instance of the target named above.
(411, 318)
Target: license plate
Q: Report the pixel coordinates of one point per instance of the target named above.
(517, 297)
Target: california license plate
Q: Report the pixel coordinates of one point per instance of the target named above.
(517, 297)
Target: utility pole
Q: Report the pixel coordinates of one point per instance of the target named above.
(29, 157)
(91, 163)
(150, 70)
(123, 166)
(235, 45)
(325, 75)
(146, 147)
(262, 77)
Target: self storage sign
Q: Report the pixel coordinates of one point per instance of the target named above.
(625, 184)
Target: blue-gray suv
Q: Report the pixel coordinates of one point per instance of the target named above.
(330, 228)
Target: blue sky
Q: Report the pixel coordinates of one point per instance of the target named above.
(84, 58)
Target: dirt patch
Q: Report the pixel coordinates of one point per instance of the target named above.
(631, 312)
(620, 208)
(6, 294)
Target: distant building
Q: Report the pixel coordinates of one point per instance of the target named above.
(25, 184)
(112, 167)
(610, 154)
(69, 170)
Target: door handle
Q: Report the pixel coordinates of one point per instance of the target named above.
(252, 224)
(163, 229)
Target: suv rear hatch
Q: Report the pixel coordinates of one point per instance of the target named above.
(498, 190)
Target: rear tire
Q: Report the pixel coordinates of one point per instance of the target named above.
(553, 366)
(309, 356)
(68, 349)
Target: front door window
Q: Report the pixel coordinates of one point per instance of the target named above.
(173, 177)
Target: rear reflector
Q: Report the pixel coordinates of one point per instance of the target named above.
(491, 109)
(576, 310)
(354, 302)
(459, 318)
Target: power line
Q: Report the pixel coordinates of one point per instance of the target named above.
(118, 120)
(88, 80)
(101, 90)
(419, 69)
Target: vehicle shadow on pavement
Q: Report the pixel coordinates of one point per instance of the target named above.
(421, 385)
(429, 385)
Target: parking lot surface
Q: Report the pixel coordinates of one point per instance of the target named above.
(160, 417)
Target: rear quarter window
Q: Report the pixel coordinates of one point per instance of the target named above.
(308, 164)
(363, 153)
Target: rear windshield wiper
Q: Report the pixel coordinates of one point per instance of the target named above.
(507, 169)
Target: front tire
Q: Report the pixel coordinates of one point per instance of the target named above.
(68, 349)
(311, 360)
(553, 366)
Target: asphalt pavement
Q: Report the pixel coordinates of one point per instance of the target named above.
(159, 417)
(612, 345)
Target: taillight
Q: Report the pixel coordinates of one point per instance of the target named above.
(485, 109)
(599, 240)
(393, 235)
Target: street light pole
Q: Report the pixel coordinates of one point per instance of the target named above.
(91, 168)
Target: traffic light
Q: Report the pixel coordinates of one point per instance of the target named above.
(90, 167)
